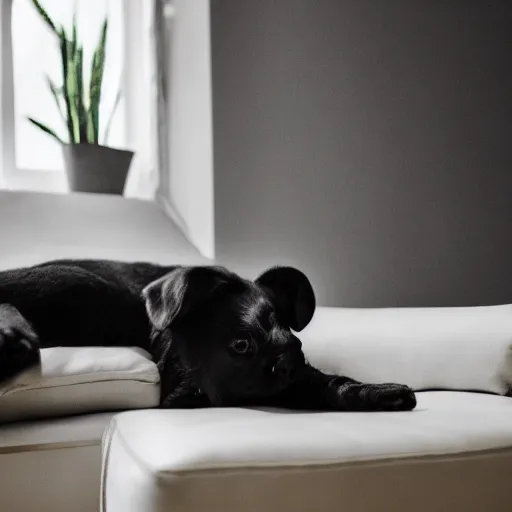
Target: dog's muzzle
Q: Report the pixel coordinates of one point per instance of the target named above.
(285, 368)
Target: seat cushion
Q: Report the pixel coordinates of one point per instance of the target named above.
(452, 453)
(464, 349)
(52, 465)
(81, 380)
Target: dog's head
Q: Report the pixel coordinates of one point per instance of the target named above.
(235, 335)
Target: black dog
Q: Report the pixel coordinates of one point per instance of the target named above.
(218, 340)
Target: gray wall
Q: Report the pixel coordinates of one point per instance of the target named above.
(368, 143)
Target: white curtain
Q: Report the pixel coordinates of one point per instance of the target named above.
(6, 93)
(144, 96)
(146, 71)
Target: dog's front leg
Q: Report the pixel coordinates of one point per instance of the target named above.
(315, 390)
(19, 344)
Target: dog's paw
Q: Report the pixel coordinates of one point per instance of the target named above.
(19, 344)
(392, 397)
(376, 397)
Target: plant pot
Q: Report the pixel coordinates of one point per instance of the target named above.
(95, 168)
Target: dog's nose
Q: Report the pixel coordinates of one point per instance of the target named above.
(284, 369)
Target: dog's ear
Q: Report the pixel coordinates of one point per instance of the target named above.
(292, 294)
(171, 297)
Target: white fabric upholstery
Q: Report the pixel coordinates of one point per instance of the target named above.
(451, 453)
(52, 465)
(426, 348)
(80, 380)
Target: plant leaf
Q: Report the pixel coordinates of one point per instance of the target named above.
(42, 11)
(64, 63)
(56, 93)
(111, 116)
(74, 37)
(45, 129)
(82, 111)
(72, 91)
(98, 64)
(71, 88)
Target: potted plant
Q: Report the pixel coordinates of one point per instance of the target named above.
(90, 166)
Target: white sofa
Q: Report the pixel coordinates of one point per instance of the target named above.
(453, 452)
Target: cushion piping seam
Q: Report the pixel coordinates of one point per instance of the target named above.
(106, 442)
(40, 447)
(25, 389)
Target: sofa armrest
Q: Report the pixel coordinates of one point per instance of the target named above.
(426, 348)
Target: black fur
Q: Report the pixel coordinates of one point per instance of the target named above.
(218, 339)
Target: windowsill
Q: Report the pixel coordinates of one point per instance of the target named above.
(37, 181)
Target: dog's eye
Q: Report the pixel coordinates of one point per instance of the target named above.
(241, 346)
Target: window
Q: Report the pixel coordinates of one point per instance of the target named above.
(29, 52)
(36, 55)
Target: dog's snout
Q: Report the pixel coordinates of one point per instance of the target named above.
(284, 369)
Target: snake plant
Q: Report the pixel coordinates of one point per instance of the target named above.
(78, 106)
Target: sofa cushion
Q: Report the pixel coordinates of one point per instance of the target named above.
(52, 465)
(426, 348)
(451, 453)
(81, 380)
